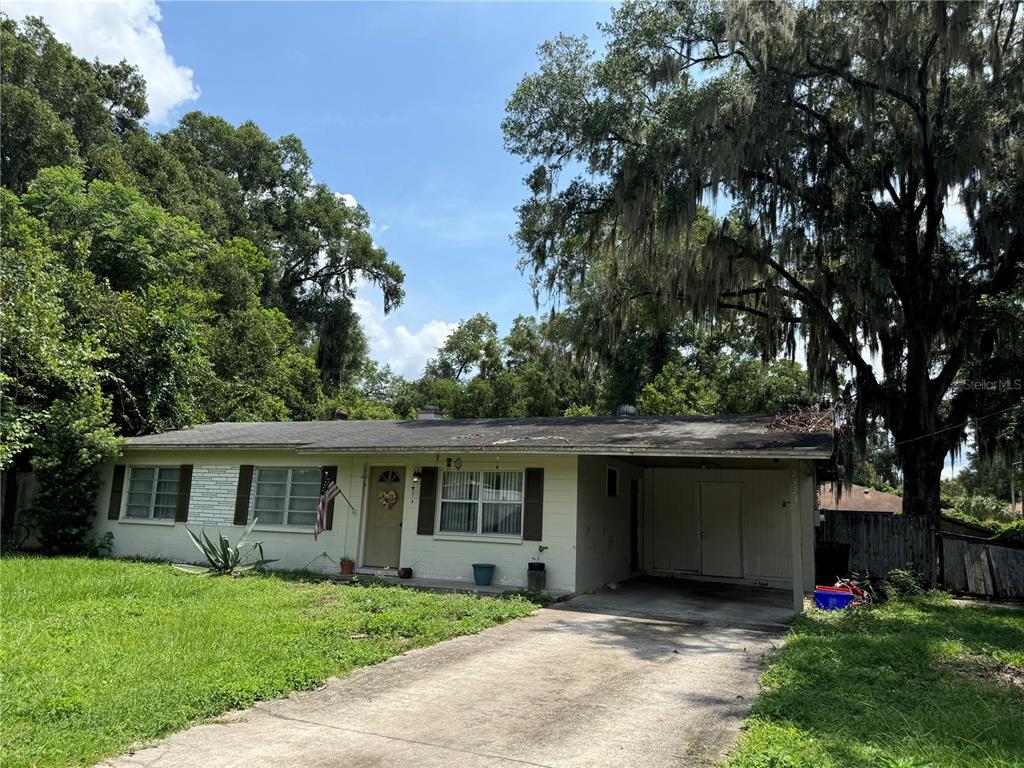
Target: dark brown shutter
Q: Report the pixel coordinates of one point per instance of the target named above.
(329, 474)
(116, 489)
(533, 505)
(184, 492)
(242, 494)
(428, 497)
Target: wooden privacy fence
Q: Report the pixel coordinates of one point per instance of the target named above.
(880, 542)
(979, 567)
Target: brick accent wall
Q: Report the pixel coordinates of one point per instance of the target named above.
(213, 494)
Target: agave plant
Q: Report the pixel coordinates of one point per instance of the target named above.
(222, 557)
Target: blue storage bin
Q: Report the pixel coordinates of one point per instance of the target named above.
(832, 598)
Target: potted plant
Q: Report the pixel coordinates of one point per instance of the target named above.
(405, 573)
(483, 573)
(348, 566)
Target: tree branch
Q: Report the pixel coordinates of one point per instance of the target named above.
(865, 373)
(861, 82)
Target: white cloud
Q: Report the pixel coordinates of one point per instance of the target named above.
(116, 30)
(393, 343)
(349, 200)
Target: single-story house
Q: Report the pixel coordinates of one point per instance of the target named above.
(596, 499)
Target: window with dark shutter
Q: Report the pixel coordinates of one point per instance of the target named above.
(184, 493)
(428, 499)
(242, 494)
(116, 490)
(533, 505)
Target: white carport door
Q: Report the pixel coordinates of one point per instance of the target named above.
(721, 520)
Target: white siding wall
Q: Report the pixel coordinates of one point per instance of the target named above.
(451, 557)
(212, 505)
(581, 551)
(603, 522)
(672, 529)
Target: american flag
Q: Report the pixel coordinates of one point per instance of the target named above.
(329, 490)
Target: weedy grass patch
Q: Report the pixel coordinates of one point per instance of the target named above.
(99, 655)
(908, 684)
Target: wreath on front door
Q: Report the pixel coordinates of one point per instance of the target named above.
(387, 499)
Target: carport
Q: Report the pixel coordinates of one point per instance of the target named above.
(689, 601)
(731, 512)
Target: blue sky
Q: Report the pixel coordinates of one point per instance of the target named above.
(398, 104)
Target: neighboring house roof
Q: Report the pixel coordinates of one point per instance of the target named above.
(695, 436)
(858, 498)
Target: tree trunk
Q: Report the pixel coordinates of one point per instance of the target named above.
(922, 463)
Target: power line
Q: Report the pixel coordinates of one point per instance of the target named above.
(956, 426)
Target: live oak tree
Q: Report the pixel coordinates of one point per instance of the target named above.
(839, 136)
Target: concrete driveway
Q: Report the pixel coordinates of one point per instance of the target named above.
(637, 677)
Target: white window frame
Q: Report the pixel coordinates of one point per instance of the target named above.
(611, 471)
(478, 533)
(287, 498)
(127, 490)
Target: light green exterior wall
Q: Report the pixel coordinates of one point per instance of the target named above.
(212, 504)
(586, 534)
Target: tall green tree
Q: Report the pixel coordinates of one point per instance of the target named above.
(146, 315)
(318, 241)
(231, 181)
(472, 346)
(841, 133)
(59, 109)
(54, 417)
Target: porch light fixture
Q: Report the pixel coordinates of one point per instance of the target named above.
(417, 473)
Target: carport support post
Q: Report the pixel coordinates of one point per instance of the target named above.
(796, 548)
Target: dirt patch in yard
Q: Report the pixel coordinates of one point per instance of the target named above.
(987, 669)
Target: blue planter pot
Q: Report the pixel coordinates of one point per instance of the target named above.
(483, 573)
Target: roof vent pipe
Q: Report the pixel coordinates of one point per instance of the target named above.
(341, 415)
(428, 413)
(627, 410)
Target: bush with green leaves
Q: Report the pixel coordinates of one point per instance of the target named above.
(66, 459)
(903, 583)
(982, 509)
(224, 559)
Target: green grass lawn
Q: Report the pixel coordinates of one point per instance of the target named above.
(917, 683)
(99, 655)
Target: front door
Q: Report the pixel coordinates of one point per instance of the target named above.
(721, 539)
(384, 517)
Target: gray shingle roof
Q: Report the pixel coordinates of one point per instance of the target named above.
(641, 435)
